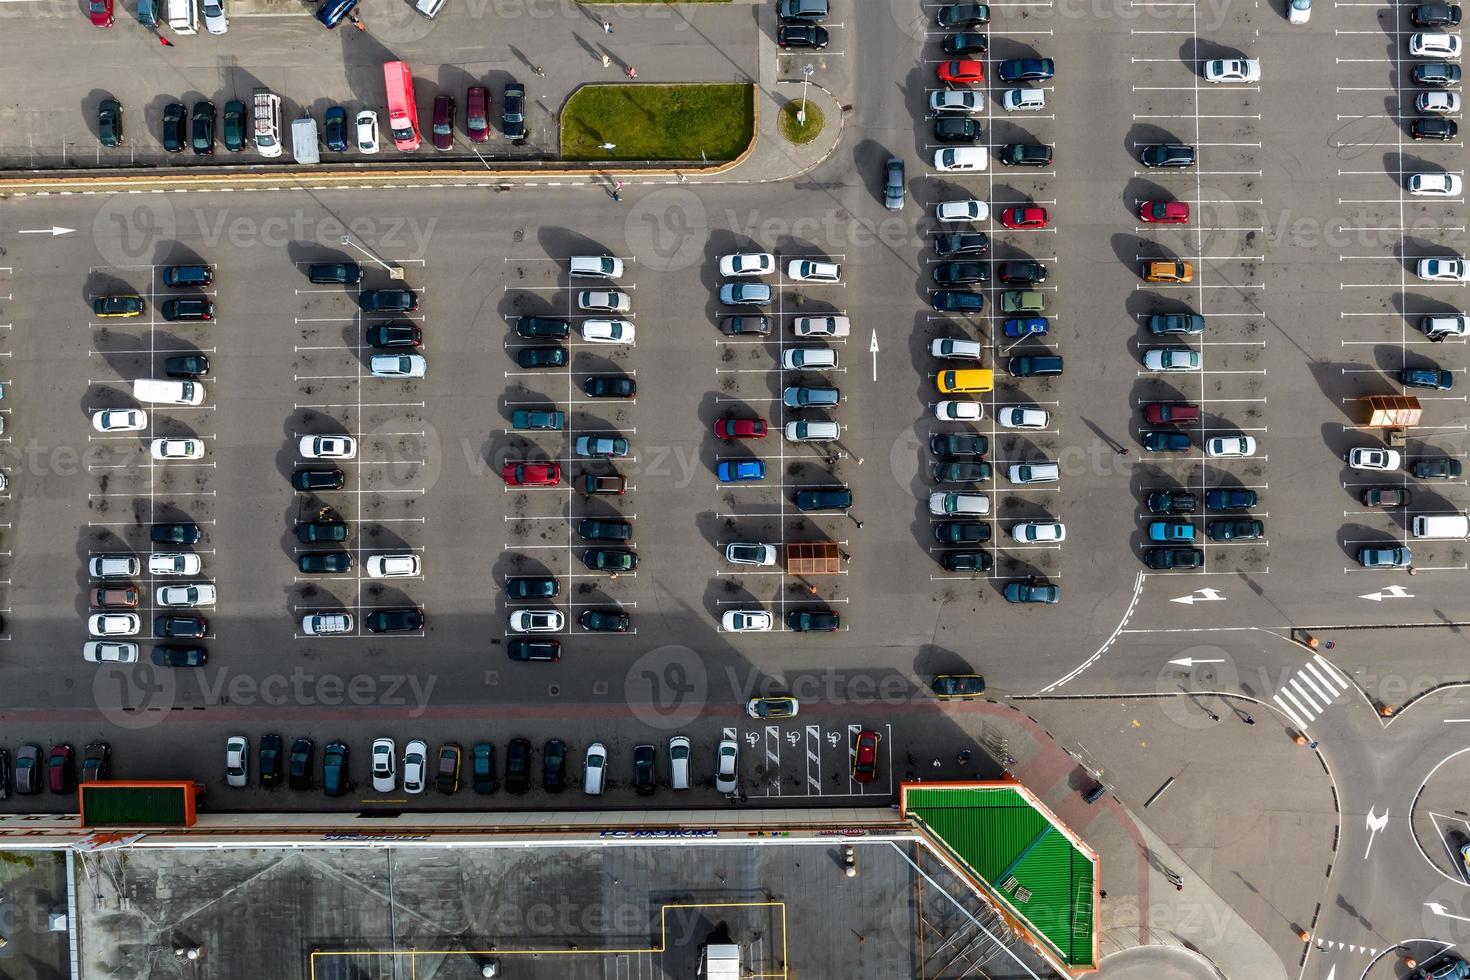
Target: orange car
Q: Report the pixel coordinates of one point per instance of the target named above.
(1175, 270)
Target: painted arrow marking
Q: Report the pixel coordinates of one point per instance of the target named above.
(1392, 592)
(873, 349)
(1375, 824)
(1439, 909)
(1190, 661)
(53, 231)
(1200, 595)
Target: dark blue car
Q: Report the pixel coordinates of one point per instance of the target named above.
(1026, 70)
(1427, 378)
(1026, 326)
(334, 133)
(1166, 442)
(1224, 499)
(331, 12)
(957, 301)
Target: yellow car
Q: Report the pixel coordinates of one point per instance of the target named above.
(1168, 271)
(122, 305)
(965, 380)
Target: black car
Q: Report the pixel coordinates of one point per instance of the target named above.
(325, 561)
(334, 273)
(270, 760)
(188, 276)
(1228, 530)
(966, 561)
(512, 111)
(542, 357)
(605, 621)
(317, 532)
(1435, 15)
(958, 445)
(643, 770)
(527, 650)
(173, 656)
(109, 122)
(201, 129)
(592, 529)
(1167, 155)
(554, 765)
(397, 334)
(7, 783)
(801, 36)
(960, 472)
(232, 126)
(812, 621)
(965, 43)
(1436, 469)
(186, 366)
(518, 766)
(610, 559)
(532, 587)
(961, 532)
(1436, 73)
(737, 326)
(334, 129)
(446, 779)
(963, 15)
(609, 386)
(956, 129)
(962, 243)
(1386, 497)
(389, 300)
(299, 774)
(1166, 558)
(331, 12)
(188, 308)
(394, 620)
(1433, 129)
(183, 532)
(1224, 498)
(173, 127)
(180, 627)
(543, 326)
(1025, 155)
(1166, 442)
(959, 273)
(482, 768)
(307, 480)
(97, 763)
(1171, 502)
(812, 500)
(1021, 272)
(335, 781)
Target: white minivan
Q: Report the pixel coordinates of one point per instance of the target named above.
(1024, 100)
(819, 430)
(808, 358)
(961, 158)
(182, 16)
(1440, 526)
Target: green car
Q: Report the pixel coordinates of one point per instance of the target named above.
(1022, 301)
(109, 122)
(536, 418)
(234, 126)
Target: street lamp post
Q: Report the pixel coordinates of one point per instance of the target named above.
(806, 78)
(395, 271)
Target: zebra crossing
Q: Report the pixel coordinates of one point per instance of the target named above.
(1309, 692)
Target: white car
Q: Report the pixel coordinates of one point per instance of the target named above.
(955, 349)
(604, 301)
(537, 621)
(1171, 359)
(750, 553)
(747, 264)
(237, 761)
(822, 326)
(114, 624)
(385, 765)
(109, 652)
(216, 21)
(120, 420)
(1435, 185)
(746, 621)
(679, 749)
(415, 766)
(398, 365)
(165, 449)
(1375, 459)
(1230, 447)
(942, 504)
(727, 766)
(1443, 103)
(328, 447)
(955, 100)
(393, 565)
(809, 270)
(953, 159)
(1024, 100)
(595, 266)
(1032, 532)
(1446, 325)
(174, 563)
(1435, 45)
(966, 210)
(1244, 70)
(1443, 270)
(594, 768)
(201, 594)
(1012, 417)
(1298, 11)
(326, 624)
(367, 131)
(959, 411)
(608, 331)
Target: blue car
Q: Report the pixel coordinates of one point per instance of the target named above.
(1026, 70)
(741, 471)
(1385, 557)
(1427, 378)
(1028, 591)
(1030, 326)
(957, 301)
(332, 12)
(1223, 499)
(1181, 531)
(745, 294)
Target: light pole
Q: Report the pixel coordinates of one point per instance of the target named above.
(394, 271)
(806, 78)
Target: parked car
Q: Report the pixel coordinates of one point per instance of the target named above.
(335, 777)
(554, 765)
(446, 777)
(518, 759)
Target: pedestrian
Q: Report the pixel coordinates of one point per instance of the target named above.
(859, 523)
(165, 41)
(359, 25)
(607, 27)
(1179, 886)
(617, 197)
(1245, 717)
(632, 72)
(606, 61)
(1101, 893)
(617, 185)
(1124, 451)
(539, 70)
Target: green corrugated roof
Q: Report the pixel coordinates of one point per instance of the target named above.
(1001, 836)
(126, 806)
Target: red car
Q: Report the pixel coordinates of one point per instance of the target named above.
(733, 428)
(531, 474)
(1161, 413)
(961, 72)
(60, 769)
(101, 12)
(1164, 212)
(1031, 217)
(865, 757)
(477, 114)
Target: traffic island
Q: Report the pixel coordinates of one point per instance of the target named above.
(658, 123)
(801, 127)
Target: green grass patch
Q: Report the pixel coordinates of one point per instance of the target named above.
(658, 122)
(801, 132)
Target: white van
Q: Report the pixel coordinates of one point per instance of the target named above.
(1024, 100)
(808, 358)
(182, 16)
(594, 769)
(1023, 473)
(156, 391)
(1440, 526)
(959, 158)
(305, 144)
(815, 431)
(822, 326)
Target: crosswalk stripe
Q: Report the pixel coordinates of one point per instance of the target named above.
(1305, 696)
(1331, 682)
(1289, 713)
(1308, 714)
(1324, 696)
(1332, 671)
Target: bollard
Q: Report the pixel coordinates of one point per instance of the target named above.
(1303, 935)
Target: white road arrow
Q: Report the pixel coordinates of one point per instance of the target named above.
(1200, 595)
(53, 231)
(1375, 824)
(1190, 661)
(1439, 909)
(873, 349)
(1392, 592)
(1332, 972)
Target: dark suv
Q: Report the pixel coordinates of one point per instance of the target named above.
(518, 766)
(513, 111)
(643, 770)
(192, 308)
(1167, 155)
(1025, 155)
(299, 774)
(389, 301)
(334, 273)
(1435, 15)
(188, 276)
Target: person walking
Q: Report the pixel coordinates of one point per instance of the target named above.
(539, 70)
(632, 72)
(606, 61)
(607, 27)
(165, 41)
